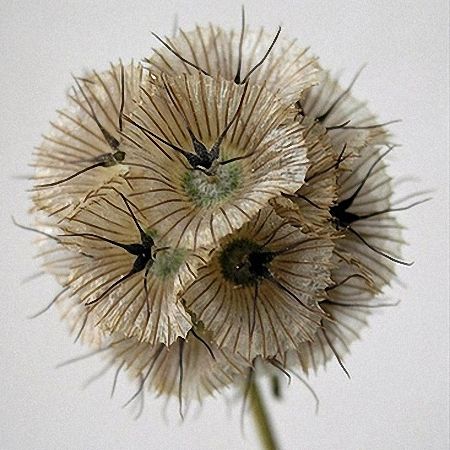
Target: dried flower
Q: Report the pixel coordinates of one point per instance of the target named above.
(223, 212)
(85, 149)
(212, 154)
(260, 293)
(130, 279)
(190, 369)
(255, 57)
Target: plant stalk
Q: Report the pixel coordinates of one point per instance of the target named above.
(261, 418)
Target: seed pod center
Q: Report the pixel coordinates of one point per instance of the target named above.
(244, 262)
(206, 190)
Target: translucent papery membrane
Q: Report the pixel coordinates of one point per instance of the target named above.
(126, 284)
(376, 226)
(189, 369)
(262, 155)
(360, 272)
(77, 157)
(59, 260)
(155, 315)
(264, 315)
(351, 299)
(335, 106)
(287, 70)
(309, 207)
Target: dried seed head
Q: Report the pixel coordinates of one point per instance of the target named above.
(261, 155)
(189, 369)
(85, 150)
(131, 280)
(259, 57)
(259, 294)
(218, 214)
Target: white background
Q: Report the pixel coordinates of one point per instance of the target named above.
(398, 395)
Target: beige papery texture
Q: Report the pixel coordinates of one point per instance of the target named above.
(58, 260)
(262, 155)
(309, 207)
(349, 122)
(224, 210)
(270, 315)
(79, 154)
(190, 369)
(287, 70)
(144, 304)
(360, 273)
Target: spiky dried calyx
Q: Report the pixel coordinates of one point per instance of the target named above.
(230, 205)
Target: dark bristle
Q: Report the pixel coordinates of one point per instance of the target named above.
(180, 378)
(237, 78)
(122, 96)
(70, 177)
(174, 52)
(336, 354)
(261, 62)
(55, 299)
(198, 337)
(109, 138)
(330, 109)
(376, 250)
(336, 165)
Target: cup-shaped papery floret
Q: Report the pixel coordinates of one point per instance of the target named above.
(259, 295)
(190, 369)
(210, 155)
(130, 280)
(351, 125)
(265, 58)
(85, 150)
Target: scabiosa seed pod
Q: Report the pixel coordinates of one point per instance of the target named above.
(85, 150)
(222, 213)
(131, 280)
(253, 56)
(212, 154)
(260, 293)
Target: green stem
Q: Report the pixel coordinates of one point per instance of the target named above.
(261, 418)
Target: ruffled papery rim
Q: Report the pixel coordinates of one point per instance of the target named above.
(58, 259)
(381, 231)
(287, 70)
(351, 299)
(144, 304)
(360, 273)
(309, 207)
(82, 153)
(262, 155)
(349, 122)
(189, 369)
(271, 315)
